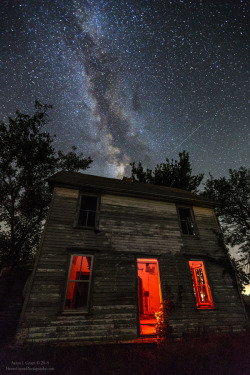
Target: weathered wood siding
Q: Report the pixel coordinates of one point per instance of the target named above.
(128, 228)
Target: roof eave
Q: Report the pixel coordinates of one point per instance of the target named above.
(127, 192)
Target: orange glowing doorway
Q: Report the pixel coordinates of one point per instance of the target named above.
(149, 294)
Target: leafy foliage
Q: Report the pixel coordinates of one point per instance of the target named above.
(163, 327)
(27, 158)
(233, 194)
(176, 174)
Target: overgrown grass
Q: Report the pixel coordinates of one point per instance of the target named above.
(213, 355)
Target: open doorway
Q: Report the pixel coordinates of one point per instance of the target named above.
(149, 294)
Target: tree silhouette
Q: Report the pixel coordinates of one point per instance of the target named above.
(176, 174)
(233, 211)
(27, 158)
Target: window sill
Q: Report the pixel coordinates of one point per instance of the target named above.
(196, 236)
(79, 227)
(75, 312)
(205, 308)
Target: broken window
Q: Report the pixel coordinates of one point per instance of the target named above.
(87, 212)
(77, 296)
(201, 287)
(186, 221)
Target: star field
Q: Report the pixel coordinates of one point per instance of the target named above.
(132, 80)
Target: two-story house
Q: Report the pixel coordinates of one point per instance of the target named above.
(112, 251)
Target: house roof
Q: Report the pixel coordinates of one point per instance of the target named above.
(98, 184)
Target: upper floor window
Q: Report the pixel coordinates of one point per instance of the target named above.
(201, 287)
(78, 286)
(87, 211)
(187, 221)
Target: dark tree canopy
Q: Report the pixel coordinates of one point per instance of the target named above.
(27, 158)
(176, 174)
(233, 194)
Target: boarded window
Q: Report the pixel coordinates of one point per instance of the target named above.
(87, 212)
(186, 221)
(201, 287)
(77, 296)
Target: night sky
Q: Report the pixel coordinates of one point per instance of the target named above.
(137, 80)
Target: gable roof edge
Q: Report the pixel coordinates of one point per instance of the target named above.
(82, 182)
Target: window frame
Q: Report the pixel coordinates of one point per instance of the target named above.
(199, 304)
(78, 211)
(190, 208)
(86, 309)
(144, 257)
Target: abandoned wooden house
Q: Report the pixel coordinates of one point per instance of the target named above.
(112, 251)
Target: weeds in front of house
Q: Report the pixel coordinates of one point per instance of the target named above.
(213, 354)
(163, 327)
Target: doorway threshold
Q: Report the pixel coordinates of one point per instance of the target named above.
(146, 339)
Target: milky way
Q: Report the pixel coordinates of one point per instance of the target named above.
(132, 80)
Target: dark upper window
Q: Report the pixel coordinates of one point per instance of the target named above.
(87, 212)
(77, 295)
(187, 221)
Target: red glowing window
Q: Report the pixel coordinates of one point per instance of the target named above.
(77, 296)
(201, 287)
(149, 294)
